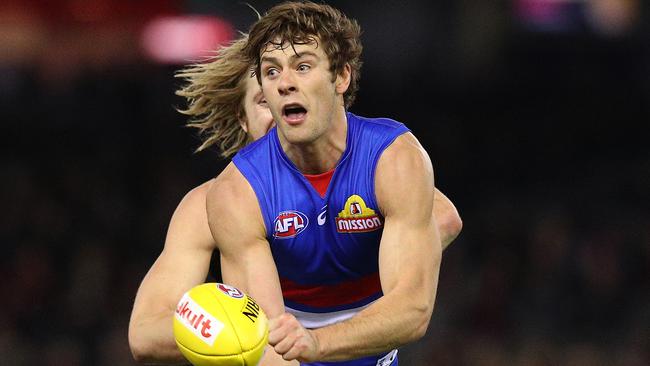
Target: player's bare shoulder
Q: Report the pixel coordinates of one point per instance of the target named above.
(193, 204)
(404, 168)
(189, 223)
(228, 188)
(406, 149)
(232, 207)
(405, 157)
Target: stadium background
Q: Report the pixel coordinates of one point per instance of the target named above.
(534, 112)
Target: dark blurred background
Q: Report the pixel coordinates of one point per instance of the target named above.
(534, 112)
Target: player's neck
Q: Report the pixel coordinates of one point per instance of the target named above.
(324, 153)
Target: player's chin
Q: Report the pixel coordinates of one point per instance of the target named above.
(298, 136)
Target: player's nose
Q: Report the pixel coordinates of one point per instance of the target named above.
(287, 83)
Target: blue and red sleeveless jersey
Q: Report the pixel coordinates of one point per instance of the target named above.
(325, 247)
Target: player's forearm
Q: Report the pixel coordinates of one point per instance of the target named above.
(392, 321)
(152, 341)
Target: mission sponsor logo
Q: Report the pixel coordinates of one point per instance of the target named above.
(357, 217)
(289, 224)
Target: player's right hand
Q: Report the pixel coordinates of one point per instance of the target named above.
(291, 340)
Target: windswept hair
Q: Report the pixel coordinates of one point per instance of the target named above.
(215, 93)
(292, 23)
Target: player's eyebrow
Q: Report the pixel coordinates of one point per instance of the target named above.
(274, 60)
(303, 54)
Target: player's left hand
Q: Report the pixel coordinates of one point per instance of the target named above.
(291, 340)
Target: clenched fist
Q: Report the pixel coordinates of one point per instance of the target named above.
(291, 340)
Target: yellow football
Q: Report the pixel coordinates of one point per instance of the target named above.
(218, 325)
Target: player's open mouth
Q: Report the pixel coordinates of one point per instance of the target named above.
(294, 113)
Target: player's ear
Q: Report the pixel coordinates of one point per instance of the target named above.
(343, 79)
(243, 121)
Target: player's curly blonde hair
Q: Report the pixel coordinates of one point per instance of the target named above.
(294, 22)
(215, 93)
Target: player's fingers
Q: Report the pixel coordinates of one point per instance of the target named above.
(285, 344)
(275, 336)
(294, 352)
(302, 347)
(279, 327)
(279, 321)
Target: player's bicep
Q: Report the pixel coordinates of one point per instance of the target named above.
(184, 261)
(409, 251)
(174, 272)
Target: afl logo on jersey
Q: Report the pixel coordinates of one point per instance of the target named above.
(289, 224)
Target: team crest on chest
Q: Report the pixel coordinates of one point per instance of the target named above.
(289, 224)
(356, 217)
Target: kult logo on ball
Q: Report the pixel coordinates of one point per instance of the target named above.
(230, 291)
(197, 320)
(289, 224)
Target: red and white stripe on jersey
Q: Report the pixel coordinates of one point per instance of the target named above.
(334, 297)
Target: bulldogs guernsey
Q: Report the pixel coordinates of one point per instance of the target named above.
(325, 247)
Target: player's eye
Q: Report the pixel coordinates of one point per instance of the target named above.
(303, 67)
(271, 72)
